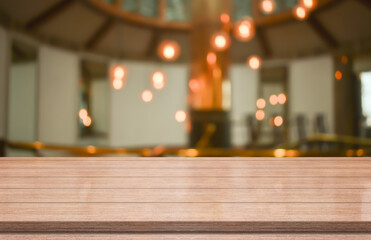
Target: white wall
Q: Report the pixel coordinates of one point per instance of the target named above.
(244, 94)
(311, 89)
(22, 102)
(4, 50)
(135, 123)
(58, 96)
(100, 105)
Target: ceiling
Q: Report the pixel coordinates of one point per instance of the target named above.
(340, 27)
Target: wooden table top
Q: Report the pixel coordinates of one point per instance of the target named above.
(182, 195)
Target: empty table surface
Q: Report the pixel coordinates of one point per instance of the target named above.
(186, 195)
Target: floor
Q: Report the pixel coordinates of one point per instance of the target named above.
(185, 198)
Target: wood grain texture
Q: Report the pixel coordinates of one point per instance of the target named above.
(185, 195)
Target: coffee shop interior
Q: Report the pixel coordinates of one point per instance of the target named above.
(150, 78)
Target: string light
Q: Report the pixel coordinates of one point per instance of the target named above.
(260, 115)
(86, 121)
(267, 6)
(278, 121)
(273, 99)
(220, 41)
(260, 103)
(338, 75)
(118, 75)
(308, 4)
(147, 96)
(254, 62)
(281, 98)
(180, 116)
(244, 30)
(83, 113)
(168, 50)
(158, 80)
(300, 13)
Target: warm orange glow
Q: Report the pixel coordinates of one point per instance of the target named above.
(168, 50)
(344, 59)
(360, 152)
(158, 80)
(278, 121)
(300, 13)
(224, 18)
(281, 98)
(244, 30)
(147, 96)
(180, 116)
(117, 83)
(211, 58)
(254, 62)
(260, 115)
(220, 41)
(86, 121)
(118, 72)
(279, 152)
(273, 99)
(308, 4)
(349, 153)
(83, 113)
(38, 145)
(267, 6)
(338, 75)
(195, 85)
(260, 103)
(91, 149)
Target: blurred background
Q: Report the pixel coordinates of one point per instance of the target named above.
(191, 78)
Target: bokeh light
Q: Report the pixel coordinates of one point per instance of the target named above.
(279, 152)
(195, 85)
(147, 96)
(211, 58)
(180, 116)
(118, 72)
(300, 13)
(278, 121)
(260, 115)
(158, 80)
(87, 121)
(281, 98)
(308, 4)
(168, 50)
(267, 6)
(244, 30)
(254, 62)
(273, 99)
(224, 18)
(338, 75)
(220, 41)
(260, 103)
(83, 113)
(117, 83)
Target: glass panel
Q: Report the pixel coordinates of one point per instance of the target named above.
(241, 8)
(178, 10)
(147, 8)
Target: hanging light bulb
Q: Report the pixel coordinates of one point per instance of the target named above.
(118, 75)
(220, 41)
(300, 13)
(147, 96)
(158, 80)
(267, 6)
(254, 62)
(244, 30)
(308, 4)
(168, 50)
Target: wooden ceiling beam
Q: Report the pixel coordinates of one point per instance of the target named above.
(50, 13)
(263, 41)
(366, 3)
(99, 34)
(322, 32)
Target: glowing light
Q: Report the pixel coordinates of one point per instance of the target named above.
(279, 152)
(91, 149)
(360, 152)
(147, 96)
(281, 98)
(338, 75)
(220, 41)
(211, 58)
(38, 145)
(278, 121)
(83, 113)
(273, 99)
(267, 6)
(260, 115)
(117, 83)
(344, 59)
(300, 13)
(349, 152)
(86, 121)
(169, 50)
(118, 72)
(308, 4)
(188, 152)
(224, 18)
(260, 103)
(254, 62)
(158, 80)
(180, 116)
(195, 85)
(244, 30)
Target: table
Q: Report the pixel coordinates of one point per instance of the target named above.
(278, 197)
